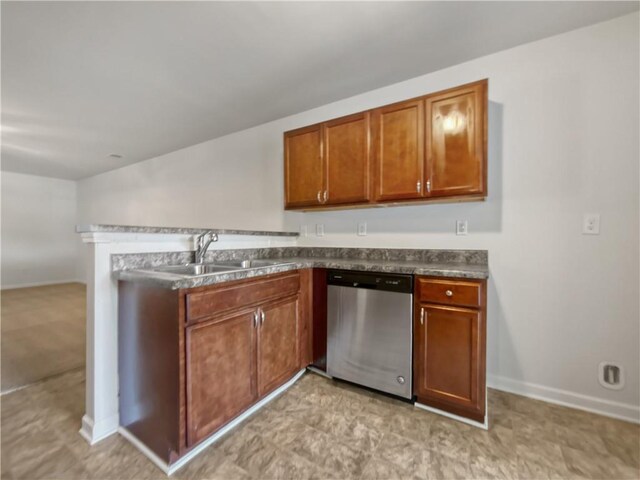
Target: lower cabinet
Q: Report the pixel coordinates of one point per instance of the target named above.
(450, 346)
(277, 345)
(221, 373)
(233, 361)
(192, 360)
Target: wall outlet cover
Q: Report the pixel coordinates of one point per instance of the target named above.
(362, 228)
(591, 224)
(462, 227)
(319, 229)
(303, 230)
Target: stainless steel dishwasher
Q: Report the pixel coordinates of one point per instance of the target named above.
(369, 329)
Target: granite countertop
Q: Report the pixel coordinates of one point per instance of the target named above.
(174, 282)
(175, 230)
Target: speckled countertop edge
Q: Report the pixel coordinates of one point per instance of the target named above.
(174, 282)
(176, 230)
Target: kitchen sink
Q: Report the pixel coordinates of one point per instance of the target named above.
(251, 263)
(195, 269)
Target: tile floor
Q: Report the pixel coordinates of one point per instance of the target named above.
(320, 429)
(43, 332)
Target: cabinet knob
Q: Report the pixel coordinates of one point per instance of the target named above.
(449, 293)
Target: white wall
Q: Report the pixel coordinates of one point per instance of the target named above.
(39, 244)
(564, 141)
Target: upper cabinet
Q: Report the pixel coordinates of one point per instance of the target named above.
(304, 167)
(456, 141)
(346, 148)
(424, 149)
(398, 135)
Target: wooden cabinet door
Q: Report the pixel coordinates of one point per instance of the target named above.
(456, 136)
(221, 373)
(449, 364)
(304, 169)
(278, 357)
(346, 147)
(398, 132)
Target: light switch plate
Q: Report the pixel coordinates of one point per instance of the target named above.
(362, 228)
(591, 224)
(461, 227)
(319, 229)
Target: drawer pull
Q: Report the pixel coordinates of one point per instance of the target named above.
(449, 293)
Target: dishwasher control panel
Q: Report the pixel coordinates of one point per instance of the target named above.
(371, 280)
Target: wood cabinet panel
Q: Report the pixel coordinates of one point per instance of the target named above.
(428, 149)
(278, 357)
(346, 143)
(398, 132)
(305, 317)
(220, 373)
(304, 167)
(449, 292)
(456, 141)
(448, 357)
(227, 297)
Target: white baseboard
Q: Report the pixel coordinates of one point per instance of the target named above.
(40, 284)
(94, 432)
(174, 467)
(621, 411)
(484, 425)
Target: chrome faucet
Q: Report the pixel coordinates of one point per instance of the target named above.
(202, 243)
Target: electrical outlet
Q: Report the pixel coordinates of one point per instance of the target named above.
(591, 224)
(362, 228)
(461, 227)
(319, 229)
(303, 230)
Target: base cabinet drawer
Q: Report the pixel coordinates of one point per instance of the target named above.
(450, 292)
(226, 298)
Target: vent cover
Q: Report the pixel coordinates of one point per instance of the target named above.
(611, 375)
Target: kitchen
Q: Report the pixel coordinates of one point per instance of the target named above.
(368, 204)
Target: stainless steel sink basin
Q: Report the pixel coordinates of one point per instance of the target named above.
(257, 263)
(195, 269)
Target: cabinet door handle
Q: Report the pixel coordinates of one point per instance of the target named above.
(428, 186)
(255, 319)
(422, 316)
(419, 186)
(319, 196)
(325, 196)
(262, 317)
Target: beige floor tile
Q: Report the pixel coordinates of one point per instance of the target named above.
(322, 429)
(380, 469)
